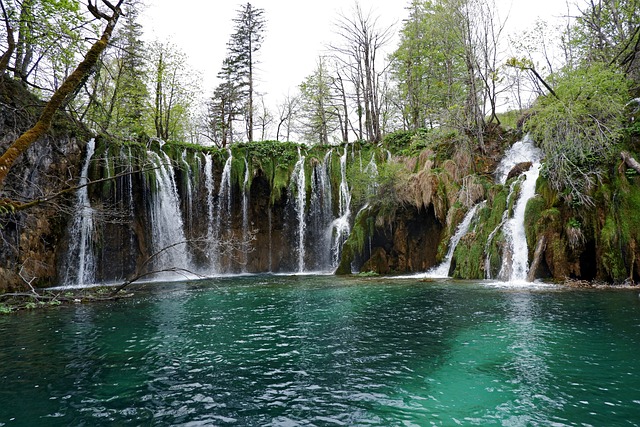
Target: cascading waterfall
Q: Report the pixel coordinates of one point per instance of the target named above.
(169, 211)
(167, 232)
(299, 182)
(492, 235)
(209, 186)
(188, 188)
(223, 214)
(321, 214)
(515, 232)
(372, 171)
(341, 227)
(442, 270)
(80, 256)
(245, 216)
(516, 269)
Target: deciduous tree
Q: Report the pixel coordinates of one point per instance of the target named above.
(361, 40)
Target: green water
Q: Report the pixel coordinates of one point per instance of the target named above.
(325, 351)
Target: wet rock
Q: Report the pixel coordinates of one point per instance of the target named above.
(519, 169)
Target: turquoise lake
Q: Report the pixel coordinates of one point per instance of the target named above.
(327, 351)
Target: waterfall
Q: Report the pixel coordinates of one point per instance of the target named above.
(270, 219)
(298, 180)
(224, 213)
(372, 171)
(515, 232)
(340, 226)
(505, 217)
(80, 257)
(168, 240)
(442, 270)
(209, 186)
(188, 189)
(321, 215)
(522, 151)
(245, 217)
(516, 266)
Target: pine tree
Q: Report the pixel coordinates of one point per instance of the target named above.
(133, 93)
(244, 43)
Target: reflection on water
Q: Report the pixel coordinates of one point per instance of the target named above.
(273, 350)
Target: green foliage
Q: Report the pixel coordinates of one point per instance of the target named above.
(363, 227)
(274, 159)
(429, 63)
(174, 89)
(386, 196)
(236, 92)
(509, 119)
(398, 140)
(368, 274)
(5, 309)
(607, 32)
(578, 130)
(574, 223)
(318, 106)
(475, 247)
(39, 27)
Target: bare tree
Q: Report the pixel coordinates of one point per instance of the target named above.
(265, 118)
(362, 39)
(287, 113)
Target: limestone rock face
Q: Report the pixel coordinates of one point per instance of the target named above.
(29, 246)
(379, 262)
(408, 245)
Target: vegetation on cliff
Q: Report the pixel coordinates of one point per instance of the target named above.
(417, 153)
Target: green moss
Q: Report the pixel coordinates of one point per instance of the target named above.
(469, 258)
(611, 245)
(368, 274)
(473, 249)
(363, 228)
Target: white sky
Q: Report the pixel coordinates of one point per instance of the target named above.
(297, 31)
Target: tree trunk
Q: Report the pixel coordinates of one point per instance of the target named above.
(630, 161)
(11, 42)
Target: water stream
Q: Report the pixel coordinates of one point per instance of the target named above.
(442, 270)
(80, 268)
(515, 257)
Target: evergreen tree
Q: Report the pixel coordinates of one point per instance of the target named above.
(224, 106)
(244, 43)
(134, 93)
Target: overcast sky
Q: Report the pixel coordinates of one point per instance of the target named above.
(297, 31)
